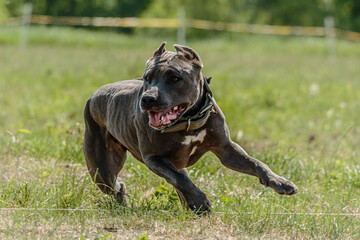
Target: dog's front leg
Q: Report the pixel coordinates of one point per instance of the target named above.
(195, 198)
(234, 157)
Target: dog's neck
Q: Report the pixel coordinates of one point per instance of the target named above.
(199, 104)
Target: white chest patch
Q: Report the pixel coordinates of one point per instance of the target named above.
(193, 150)
(195, 138)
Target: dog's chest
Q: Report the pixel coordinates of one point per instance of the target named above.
(182, 150)
(193, 141)
(191, 144)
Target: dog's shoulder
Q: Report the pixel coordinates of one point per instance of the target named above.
(115, 96)
(120, 88)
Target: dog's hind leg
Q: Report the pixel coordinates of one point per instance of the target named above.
(105, 157)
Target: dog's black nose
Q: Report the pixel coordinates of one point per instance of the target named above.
(148, 100)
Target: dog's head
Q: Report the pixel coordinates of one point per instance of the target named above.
(172, 85)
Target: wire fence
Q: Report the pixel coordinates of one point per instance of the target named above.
(215, 212)
(132, 22)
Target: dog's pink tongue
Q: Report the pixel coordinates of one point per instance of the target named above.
(154, 119)
(172, 116)
(160, 118)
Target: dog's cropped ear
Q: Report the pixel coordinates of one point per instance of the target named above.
(189, 54)
(160, 50)
(208, 79)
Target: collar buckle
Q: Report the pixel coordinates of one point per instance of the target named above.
(188, 124)
(212, 106)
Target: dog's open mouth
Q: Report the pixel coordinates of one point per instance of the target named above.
(159, 120)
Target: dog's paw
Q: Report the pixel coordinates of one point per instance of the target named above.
(200, 208)
(199, 204)
(280, 184)
(120, 192)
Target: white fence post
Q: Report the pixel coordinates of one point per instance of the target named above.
(330, 36)
(181, 33)
(25, 26)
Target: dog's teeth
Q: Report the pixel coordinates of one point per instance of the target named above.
(176, 108)
(162, 118)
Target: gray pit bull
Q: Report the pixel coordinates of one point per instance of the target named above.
(167, 120)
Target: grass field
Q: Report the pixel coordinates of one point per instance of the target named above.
(286, 103)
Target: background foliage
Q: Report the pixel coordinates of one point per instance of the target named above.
(3, 11)
(280, 12)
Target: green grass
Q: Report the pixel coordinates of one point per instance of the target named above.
(285, 101)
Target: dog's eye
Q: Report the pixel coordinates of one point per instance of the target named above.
(175, 78)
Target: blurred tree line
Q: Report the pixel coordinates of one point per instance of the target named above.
(276, 12)
(86, 8)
